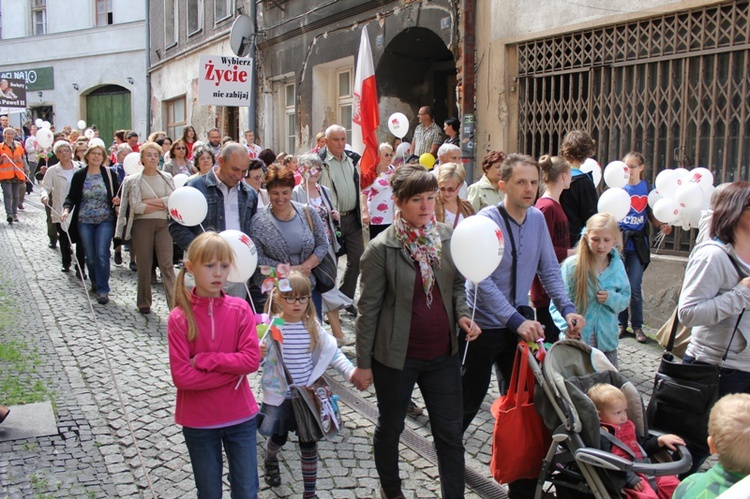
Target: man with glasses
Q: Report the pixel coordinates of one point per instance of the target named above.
(427, 136)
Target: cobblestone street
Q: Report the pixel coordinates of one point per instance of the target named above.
(93, 453)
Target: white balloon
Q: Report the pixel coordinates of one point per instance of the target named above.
(38, 122)
(179, 180)
(616, 174)
(81, 124)
(707, 197)
(615, 201)
(96, 141)
(402, 151)
(653, 197)
(477, 247)
(590, 165)
(46, 124)
(683, 175)
(45, 137)
(187, 206)
(398, 124)
(689, 196)
(89, 133)
(666, 183)
(245, 255)
(694, 216)
(666, 210)
(703, 177)
(132, 163)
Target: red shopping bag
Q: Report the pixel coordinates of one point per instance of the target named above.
(520, 440)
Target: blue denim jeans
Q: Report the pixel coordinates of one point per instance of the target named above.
(634, 268)
(439, 381)
(11, 196)
(96, 239)
(204, 447)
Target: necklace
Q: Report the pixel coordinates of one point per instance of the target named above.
(286, 217)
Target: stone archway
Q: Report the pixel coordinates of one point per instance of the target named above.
(416, 69)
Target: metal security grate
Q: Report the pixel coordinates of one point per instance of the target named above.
(674, 87)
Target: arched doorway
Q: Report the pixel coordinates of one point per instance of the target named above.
(108, 108)
(417, 69)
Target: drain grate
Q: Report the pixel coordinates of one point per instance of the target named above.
(480, 484)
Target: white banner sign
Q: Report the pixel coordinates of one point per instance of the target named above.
(224, 81)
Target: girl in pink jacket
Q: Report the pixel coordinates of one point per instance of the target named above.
(213, 346)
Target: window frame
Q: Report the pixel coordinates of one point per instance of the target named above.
(346, 100)
(290, 110)
(199, 13)
(171, 124)
(175, 23)
(109, 13)
(38, 6)
(230, 8)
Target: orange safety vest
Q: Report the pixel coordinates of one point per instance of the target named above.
(11, 162)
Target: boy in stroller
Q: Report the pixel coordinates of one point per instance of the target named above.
(619, 437)
(576, 464)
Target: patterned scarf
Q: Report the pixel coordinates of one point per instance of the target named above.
(424, 246)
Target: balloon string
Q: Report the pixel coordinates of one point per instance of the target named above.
(201, 226)
(252, 305)
(473, 311)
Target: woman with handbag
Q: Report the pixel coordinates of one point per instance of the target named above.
(144, 218)
(318, 197)
(282, 232)
(92, 199)
(412, 298)
(715, 294)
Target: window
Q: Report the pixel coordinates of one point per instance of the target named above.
(38, 17)
(104, 15)
(223, 9)
(345, 100)
(170, 23)
(175, 117)
(290, 119)
(194, 16)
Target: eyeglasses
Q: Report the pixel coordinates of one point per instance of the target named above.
(388, 155)
(291, 300)
(180, 148)
(449, 189)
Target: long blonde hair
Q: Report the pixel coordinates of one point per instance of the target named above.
(301, 286)
(207, 247)
(585, 271)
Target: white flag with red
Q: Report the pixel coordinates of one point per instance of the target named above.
(366, 115)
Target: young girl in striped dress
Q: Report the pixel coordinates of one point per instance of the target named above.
(307, 351)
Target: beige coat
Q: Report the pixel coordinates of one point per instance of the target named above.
(385, 302)
(56, 186)
(129, 199)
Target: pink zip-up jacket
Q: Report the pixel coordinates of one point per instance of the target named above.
(212, 390)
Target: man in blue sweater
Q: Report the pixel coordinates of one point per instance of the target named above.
(502, 299)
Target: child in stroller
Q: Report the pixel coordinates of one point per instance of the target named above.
(620, 438)
(575, 463)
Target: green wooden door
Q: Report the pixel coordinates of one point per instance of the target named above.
(109, 109)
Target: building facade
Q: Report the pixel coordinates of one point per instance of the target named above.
(83, 60)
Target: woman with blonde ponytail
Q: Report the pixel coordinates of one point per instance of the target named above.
(213, 345)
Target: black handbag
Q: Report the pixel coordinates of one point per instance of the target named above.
(325, 271)
(315, 412)
(684, 394)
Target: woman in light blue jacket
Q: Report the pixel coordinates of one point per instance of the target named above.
(596, 281)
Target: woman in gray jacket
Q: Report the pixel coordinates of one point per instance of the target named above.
(282, 233)
(716, 291)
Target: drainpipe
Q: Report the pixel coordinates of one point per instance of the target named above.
(148, 68)
(254, 72)
(468, 8)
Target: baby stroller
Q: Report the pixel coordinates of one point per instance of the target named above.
(575, 463)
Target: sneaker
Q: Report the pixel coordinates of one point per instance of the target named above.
(414, 410)
(118, 257)
(640, 336)
(15, 218)
(344, 342)
(103, 299)
(9, 218)
(272, 475)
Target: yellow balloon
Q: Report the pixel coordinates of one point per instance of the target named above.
(427, 160)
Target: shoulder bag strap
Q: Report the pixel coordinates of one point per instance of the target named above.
(504, 213)
(289, 380)
(309, 220)
(673, 333)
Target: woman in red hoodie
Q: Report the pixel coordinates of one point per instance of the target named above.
(213, 345)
